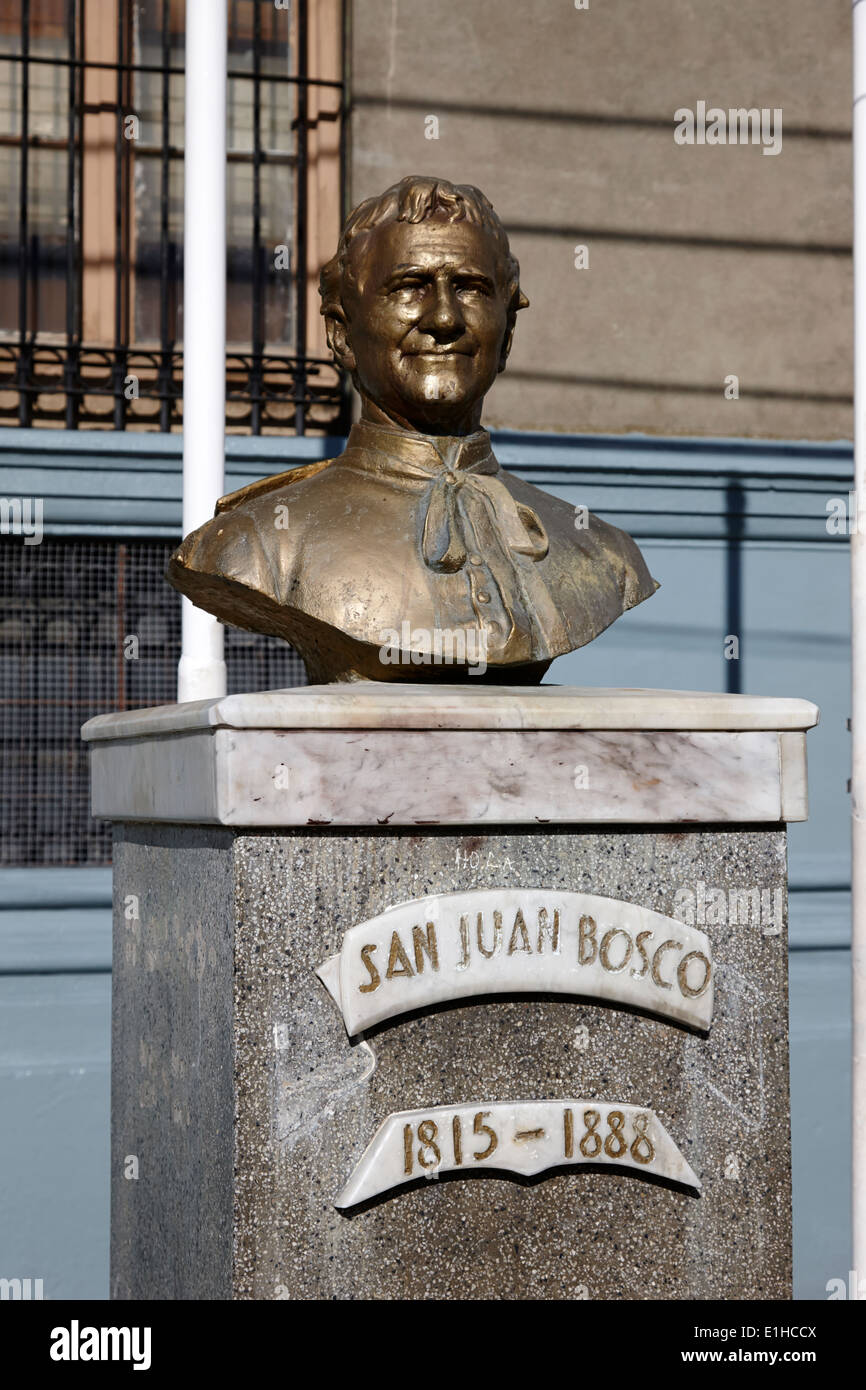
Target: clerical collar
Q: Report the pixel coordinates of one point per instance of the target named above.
(429, 450)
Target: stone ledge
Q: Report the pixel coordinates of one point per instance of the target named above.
(393, 705)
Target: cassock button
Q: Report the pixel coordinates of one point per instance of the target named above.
(475, 560)
(483, 596)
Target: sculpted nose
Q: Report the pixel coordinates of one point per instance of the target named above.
(445, 317)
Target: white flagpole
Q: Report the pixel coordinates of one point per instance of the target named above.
(858, 641)
(202, 670)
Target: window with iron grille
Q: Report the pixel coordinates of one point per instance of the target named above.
(91, 244)
(91, 338)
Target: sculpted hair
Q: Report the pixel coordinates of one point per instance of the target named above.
(414, 199)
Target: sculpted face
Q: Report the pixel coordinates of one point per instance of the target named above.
(427, 328)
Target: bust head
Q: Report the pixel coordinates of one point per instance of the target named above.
(420, 303)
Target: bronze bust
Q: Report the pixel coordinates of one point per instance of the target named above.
(413, 556)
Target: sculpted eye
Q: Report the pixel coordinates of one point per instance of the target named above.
(408, 288)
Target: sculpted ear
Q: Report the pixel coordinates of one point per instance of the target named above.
(337, 331)
(518, 302)
(506, 344)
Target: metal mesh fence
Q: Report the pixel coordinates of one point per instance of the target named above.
(87, 627)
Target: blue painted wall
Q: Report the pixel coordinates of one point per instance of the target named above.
(55, 1044)
(734, 531)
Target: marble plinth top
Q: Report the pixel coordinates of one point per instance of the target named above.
(392, 706)
(412, 754)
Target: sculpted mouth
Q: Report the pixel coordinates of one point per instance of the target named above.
(440, 353)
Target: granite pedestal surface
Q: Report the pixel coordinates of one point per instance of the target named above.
(253, 832)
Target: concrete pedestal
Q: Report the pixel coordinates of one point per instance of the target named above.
(252, 833)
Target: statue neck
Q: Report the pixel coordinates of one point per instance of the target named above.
(373, 414)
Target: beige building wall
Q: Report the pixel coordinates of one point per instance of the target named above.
(704, 261)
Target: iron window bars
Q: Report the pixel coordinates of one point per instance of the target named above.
(59, 378)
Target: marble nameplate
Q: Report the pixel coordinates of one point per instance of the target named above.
(525, 1137)
(516, 941)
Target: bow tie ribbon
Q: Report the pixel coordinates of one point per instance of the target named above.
(457, 489)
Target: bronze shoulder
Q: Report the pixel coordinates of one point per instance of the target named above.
(228, 553)
(592, 541)
(274, 483)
